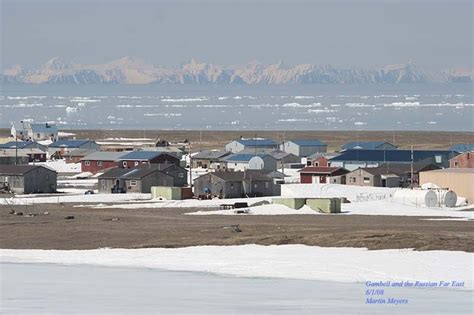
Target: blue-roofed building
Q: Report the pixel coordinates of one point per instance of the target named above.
(304, 148)
(462, 147)
(23, 145)
(42, 131)
(246, 161)
(249, 144)
(136, 158)
(66, 146)
(369, 145)
(358, 158)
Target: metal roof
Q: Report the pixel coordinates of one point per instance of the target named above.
(308, 143)
(257, 142)
(132, 173)
(19, 144)
(239, 176)
(388, 155)
(210, 154)
(20, 169)
(321, 170)
(44, 128)
(365, 145)
(463, 147)
(103, 156)
(69, 143)
(143, 155)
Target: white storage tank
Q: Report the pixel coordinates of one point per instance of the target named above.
(416, 197)
(447, 198)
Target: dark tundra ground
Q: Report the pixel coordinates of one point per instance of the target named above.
(138, 228)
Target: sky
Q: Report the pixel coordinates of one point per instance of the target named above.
(368, 34)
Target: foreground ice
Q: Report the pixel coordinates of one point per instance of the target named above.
(81, 289)
(277, 261)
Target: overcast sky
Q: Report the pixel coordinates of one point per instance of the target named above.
(437, 34)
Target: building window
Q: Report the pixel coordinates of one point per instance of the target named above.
(438, 158)
(38, 135)
(267, 185)
(99, 163)
(352, 179)
(87, 163)
(366, 180)
(456, 163)
(255, 185)
(136, 163)
(133, 183)
(124, 163)
(180, 175)
(231, 186)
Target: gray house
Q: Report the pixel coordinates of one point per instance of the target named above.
(235, 185)
(304, 148)
(27, 179)
(140, 179)
(12, 157)
(255, 144)
(389, 175)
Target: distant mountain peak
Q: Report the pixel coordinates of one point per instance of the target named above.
(132, 70)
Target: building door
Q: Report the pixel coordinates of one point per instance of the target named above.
(316, 179)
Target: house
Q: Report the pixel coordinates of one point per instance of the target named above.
(283, 158)
(64, 146)
(235, 185)
(255, 144)
(389, 175)
(12, 157)
(460, 180)
(319, 159)
(33, 154)
(99, 161)
(75, 156)
(209, 159)
(304, 148)
(136, 158)
(322, 175)
(27, 179)
(463, 160)
(42, 131)
(244, 161)
(369, 145)
(358, 158)
(140, 179)
(462, 147)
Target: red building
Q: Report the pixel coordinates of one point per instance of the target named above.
(463, 160)
(100, 161)
(135, 158)
(323, 174)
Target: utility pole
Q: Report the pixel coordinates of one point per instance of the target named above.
(190, 166)
(411, 168)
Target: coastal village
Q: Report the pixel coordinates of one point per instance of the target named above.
(39, 159)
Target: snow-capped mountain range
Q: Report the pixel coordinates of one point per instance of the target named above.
(130, 70)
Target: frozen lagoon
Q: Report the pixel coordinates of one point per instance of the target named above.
(67, 289)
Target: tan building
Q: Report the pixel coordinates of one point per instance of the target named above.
(460, 180)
